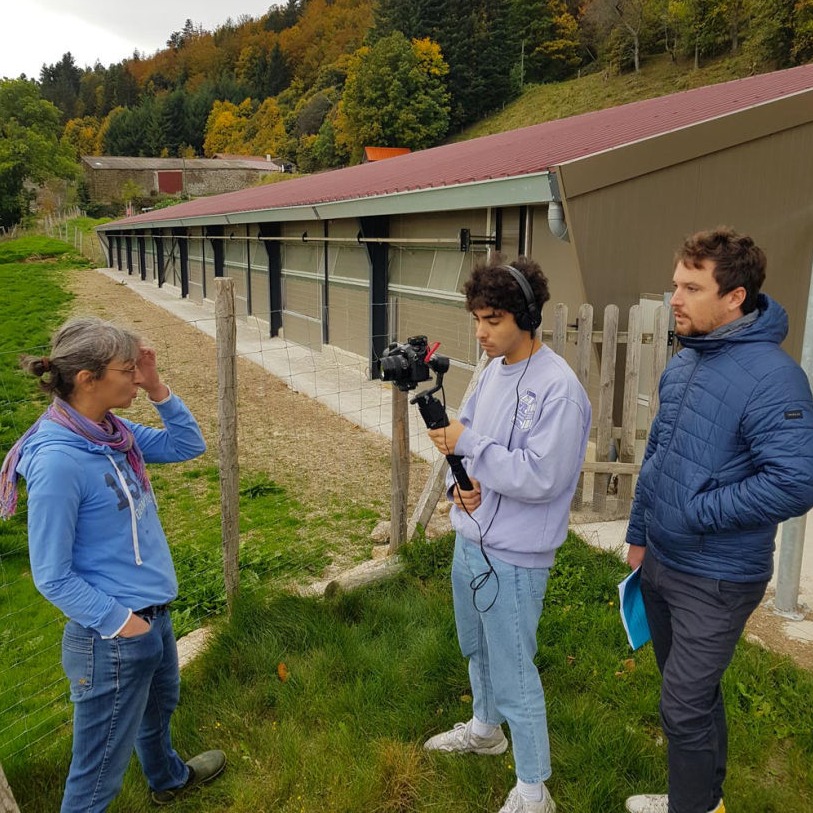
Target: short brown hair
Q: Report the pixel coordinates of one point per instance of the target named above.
(738, 261)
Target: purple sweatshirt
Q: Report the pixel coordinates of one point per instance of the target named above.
(526, 448)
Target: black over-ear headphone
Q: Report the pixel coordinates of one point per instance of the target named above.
(531, 318)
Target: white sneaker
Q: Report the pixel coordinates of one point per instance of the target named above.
(650, 803)
(462, 740)
(517, 803)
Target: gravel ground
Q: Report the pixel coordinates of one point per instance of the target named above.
(296, 441)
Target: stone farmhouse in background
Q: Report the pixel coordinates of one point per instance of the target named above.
(105, 175)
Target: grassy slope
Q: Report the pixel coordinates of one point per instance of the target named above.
(658, 77)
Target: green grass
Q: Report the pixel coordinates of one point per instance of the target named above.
(371, 674)
(281, 540)
(32, 694)
(596, 91)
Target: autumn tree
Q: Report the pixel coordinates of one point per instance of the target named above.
(700, 27)
(394, 96)
(802, 48)
(772, 32)
(30, 152)
(549, 40)
(280, 16)
(81, 136)
(477, 43)
(325, 30)
(623, 27)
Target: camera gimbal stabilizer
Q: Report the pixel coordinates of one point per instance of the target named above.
(406, 365)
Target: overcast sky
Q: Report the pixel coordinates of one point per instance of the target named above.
(37, 32)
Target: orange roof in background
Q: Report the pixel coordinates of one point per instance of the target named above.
(381, 153)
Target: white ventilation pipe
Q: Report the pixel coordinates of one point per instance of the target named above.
(556, 220)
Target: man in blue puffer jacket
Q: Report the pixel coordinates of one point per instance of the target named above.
(729, 456)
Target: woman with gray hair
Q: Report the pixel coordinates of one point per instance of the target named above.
(98, 552)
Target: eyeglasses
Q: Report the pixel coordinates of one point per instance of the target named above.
(129, 370)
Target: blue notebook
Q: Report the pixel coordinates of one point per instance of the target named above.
(631, 604)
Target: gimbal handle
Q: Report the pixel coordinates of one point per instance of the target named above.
(435, 417)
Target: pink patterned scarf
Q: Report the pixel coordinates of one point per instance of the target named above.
(111, 432)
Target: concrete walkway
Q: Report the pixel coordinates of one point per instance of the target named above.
(331, 376)
(339, 380)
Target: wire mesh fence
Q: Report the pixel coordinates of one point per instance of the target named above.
(302, 409)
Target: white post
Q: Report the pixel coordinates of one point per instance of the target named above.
(791, 550)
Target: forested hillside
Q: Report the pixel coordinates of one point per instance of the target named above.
(314, 81)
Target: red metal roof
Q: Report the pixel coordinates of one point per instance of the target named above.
(518, 152)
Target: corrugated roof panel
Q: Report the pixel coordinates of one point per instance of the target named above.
(514, 153)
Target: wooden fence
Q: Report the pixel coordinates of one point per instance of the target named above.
(625, 401)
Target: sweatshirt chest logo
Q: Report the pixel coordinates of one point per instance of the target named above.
(526, 409)
(141, 498)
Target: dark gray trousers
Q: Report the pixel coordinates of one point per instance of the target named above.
(695, 624)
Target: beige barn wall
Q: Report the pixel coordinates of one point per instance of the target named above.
(559, 262)
(625, 233)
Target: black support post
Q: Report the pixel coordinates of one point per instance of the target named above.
(159, 259)
(274, 251)
(183, 249)
(378, 253)
(142, 255)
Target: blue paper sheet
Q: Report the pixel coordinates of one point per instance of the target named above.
(633, 615)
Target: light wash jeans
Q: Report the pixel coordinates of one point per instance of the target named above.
(500, 644)
(124, 691)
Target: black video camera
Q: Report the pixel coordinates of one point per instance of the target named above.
(408, 364)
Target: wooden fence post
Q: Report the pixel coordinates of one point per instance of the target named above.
(7, 803)
(400, 469)
(604, 419)
(584, 356)
(226, 340)
(629, 418)
(559, 329)
(661, 354)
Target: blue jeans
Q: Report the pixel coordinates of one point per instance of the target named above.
(500, 644)
(695, 624)
(124, 691)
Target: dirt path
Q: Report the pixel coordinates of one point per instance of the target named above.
(296, 441)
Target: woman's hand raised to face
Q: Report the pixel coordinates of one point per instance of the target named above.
(148, 377)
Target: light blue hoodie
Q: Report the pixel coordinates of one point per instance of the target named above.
(95, 541)
(526, 432)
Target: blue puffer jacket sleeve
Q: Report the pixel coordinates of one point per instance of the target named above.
(636, 531)
(776, 424)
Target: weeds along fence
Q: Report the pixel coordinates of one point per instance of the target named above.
(269, 418)
(63, 226)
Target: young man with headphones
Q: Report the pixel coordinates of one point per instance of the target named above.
(522, 434)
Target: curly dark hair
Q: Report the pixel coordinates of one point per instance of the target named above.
(738, 261)
(492, 286)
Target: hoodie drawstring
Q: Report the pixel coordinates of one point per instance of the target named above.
(133, 521)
